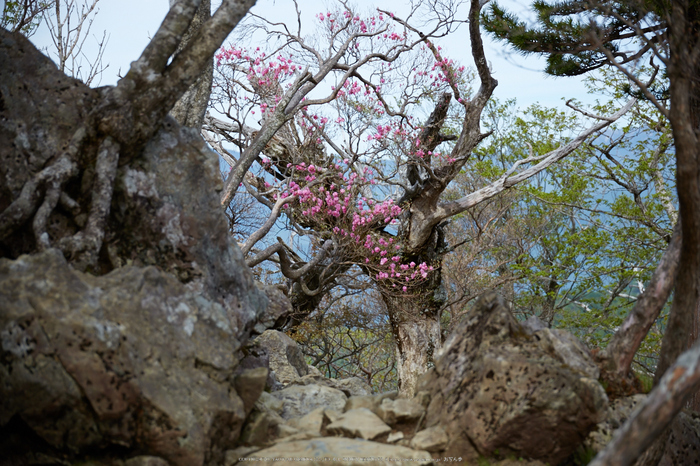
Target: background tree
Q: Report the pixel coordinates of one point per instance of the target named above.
(576, 244)
(363, 170)
(351, 336)
(68, 23)
(578, 37)
(24, 15)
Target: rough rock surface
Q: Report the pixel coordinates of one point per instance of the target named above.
(315, 422)
(351, 386)
(371, 402)
(498, 387)
(617, 414)
(361, 423)
(400, 410)
(138, 356)
(285, 358)
(432, 439)
(132, 358)
(682, 446)
(299, 400)
(145, 461)
(335, 451)
(278, 309)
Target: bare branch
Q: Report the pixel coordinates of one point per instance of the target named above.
(263, 230)
(453, 208)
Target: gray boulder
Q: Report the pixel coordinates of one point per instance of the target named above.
(617, 414)
(499, 387)
(145, 461)
(285, 358)
(361, 423)
(371, 402)
(278, 309)
(683, 443)
(351, 386)
(299, 400)
(432, 439)
(314, 422)
(400, 411)
(132, 358)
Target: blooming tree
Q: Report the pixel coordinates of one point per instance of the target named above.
(360, 171)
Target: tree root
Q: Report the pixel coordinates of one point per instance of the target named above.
(41, 194)
(83, 247)
(51, 177)
(25, 205)
(51, 197)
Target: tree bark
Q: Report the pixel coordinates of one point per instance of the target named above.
(190, 109)
(415, 317)
(415, 323)
(683, 320)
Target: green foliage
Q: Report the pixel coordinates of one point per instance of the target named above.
(583, 455)
(351, 337)
(575, 36)
(24, 16)
(575, 244)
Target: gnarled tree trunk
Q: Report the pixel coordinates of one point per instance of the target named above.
(415, 322)
(415, 318)
(190, 109)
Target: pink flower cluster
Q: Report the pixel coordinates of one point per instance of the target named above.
(264, 73)
(332, 198)
(362, 98)
(336, 21)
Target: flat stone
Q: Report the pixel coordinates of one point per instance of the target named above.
(432, 439)
(269, 403)
(394, 437)
(353, 386)
(400, 410)
(233, 456)
(361, 423)
(249, 385)
(285, 357)
(261, 429)
(285, 430)
(370, 402)
(338, 451)
(314, 422)
(299, 400)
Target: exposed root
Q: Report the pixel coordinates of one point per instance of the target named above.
(25, 205)
(70, 204)
(83, 247)
(51, 178)
(53, 193)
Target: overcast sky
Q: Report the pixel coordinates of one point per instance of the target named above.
(130, 24)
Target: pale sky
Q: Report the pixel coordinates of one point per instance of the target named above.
(130, 24)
